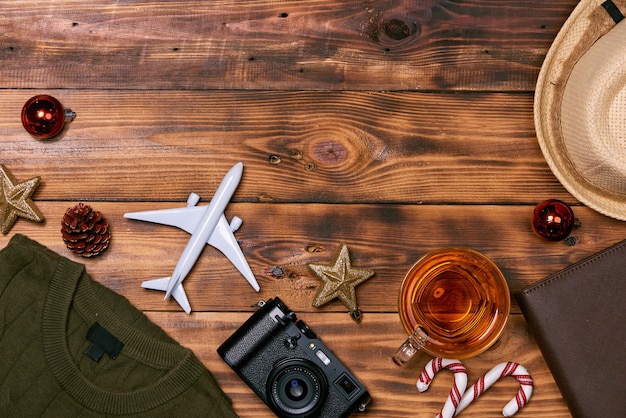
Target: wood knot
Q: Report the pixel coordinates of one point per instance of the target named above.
(315, 249)
(277, 272)
(329, 151)
(274, 159)
(296, 154)
(396, 29)
(392, 30)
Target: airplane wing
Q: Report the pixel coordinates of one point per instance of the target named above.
(178, 293)
(224, 240)
(187, 219)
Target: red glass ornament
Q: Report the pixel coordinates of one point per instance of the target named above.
(43, 116)
(553, 220)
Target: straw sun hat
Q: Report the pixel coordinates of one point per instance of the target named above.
(580, 106)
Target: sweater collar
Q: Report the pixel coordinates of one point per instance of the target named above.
(71, 288)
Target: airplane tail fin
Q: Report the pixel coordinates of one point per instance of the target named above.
(178, 293)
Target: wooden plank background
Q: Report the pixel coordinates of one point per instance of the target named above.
(396, 127)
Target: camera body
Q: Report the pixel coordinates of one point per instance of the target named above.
(289, 368)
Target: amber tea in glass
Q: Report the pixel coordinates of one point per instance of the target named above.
(453, 303)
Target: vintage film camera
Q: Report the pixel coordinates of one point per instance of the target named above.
(289, 368)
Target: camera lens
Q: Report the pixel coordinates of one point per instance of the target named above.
(296, 388)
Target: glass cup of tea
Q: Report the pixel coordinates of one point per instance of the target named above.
(453, 303)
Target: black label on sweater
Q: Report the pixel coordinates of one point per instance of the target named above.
(102, 342)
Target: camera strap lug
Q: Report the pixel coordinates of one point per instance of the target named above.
(259, 304)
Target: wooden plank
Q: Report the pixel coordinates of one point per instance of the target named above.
(279, 240)
(304, 45)
(396, 127)
(350, 147)
(392, 388)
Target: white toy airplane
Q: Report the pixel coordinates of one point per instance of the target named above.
(207, 225)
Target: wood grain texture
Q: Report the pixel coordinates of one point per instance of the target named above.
(368, 348)
(388, 239)
(287, 45)
(396, 127)
(296, 146)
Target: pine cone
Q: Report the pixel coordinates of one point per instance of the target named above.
(85, 231)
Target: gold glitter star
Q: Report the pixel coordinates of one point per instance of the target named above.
(339, 281)
(15, 200)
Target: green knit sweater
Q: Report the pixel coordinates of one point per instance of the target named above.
(47, 306)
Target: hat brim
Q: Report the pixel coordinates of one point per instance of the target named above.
(587, 23)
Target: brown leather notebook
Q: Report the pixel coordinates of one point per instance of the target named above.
(578, 318)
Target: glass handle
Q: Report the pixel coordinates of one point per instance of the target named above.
(410, 346)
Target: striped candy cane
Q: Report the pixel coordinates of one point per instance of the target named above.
(492, 376)
(458, 387)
